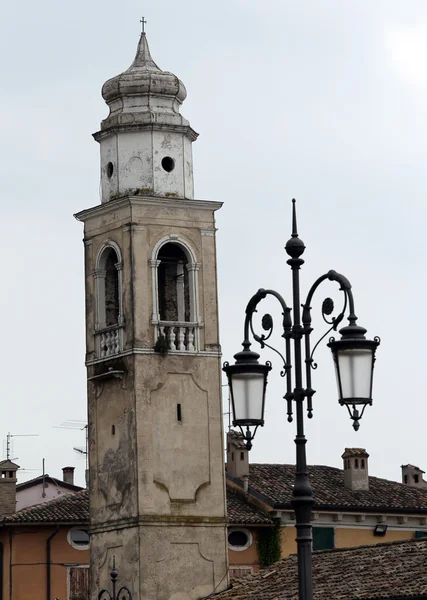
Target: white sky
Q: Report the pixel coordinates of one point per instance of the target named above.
(322, 101)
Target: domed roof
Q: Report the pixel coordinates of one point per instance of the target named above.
(142, 91)
(144, 77)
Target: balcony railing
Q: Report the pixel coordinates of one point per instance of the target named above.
(180, 336)
(109, 341)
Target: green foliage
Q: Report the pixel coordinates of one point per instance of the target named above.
(269, 545)
(161, 346)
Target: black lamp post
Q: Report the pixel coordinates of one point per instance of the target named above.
(354, 358)
(124, 592)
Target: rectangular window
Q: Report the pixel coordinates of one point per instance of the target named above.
(178, 412)
(323, 538)
(420, 534)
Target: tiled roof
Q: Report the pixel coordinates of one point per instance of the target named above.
(275, 482)
(382, 571)
(240, 513)
(48, 479)
(75, 508)
(69, 508)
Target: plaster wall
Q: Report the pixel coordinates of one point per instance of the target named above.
(363, 537)
(347, 537)
(247, 557)
(26, 563)
(34, 494)
(137, 157)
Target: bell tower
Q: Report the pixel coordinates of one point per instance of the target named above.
(157, 489)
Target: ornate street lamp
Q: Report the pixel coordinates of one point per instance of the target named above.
(354, 358)
(124, 592)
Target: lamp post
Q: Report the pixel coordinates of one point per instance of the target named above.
(124, 592)
(353, 356)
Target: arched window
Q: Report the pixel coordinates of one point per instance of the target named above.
(174, 294)
(109, 314)
(112, 309)
(175, 299)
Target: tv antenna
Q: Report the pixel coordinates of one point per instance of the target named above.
(81, 425)
(9, 442)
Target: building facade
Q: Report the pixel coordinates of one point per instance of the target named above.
(157, 488)
(351, 507)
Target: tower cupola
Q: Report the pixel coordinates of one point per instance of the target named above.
(144, 93)
(145, 141)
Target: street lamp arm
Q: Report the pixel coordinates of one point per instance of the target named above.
(345, 286)
(267, 324)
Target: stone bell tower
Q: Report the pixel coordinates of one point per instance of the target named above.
(157, 490)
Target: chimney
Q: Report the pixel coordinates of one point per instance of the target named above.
(356, 469)
(7, 487)
(413, 476)
(68, 475)
(237, 455)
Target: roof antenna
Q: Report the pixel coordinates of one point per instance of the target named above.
(9, 442)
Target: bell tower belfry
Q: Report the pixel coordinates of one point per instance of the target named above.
(157, 489)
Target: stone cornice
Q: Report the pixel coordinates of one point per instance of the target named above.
(130, 201)
(159, 521)
(184, 129)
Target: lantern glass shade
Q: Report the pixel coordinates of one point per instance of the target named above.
(247, 395)
(354, 372)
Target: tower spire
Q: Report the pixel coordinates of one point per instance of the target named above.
(143, 59)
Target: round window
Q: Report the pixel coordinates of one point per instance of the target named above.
(78, 538)
(168, 163)
(239, 539)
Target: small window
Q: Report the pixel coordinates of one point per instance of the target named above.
(232, 456)
(178, 412)
(363, 463)
(405, 479)
(78, 538)
(323, 538)
(420, 534)
(356, 463)
(113, 430)
(168, 164)
(239, 539)
(416, 478)
(242, 456)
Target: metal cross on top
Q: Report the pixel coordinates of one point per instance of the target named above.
(143, 23)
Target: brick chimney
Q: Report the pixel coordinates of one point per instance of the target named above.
(68, 475)
(413, 476)
(237, 455)
(7, 487)
(356, 469)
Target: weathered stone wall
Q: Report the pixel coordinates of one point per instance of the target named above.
(157, 488)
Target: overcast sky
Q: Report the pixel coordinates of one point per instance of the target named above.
(324, 101)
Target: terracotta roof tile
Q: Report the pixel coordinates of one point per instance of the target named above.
(382, 571)
(69, 508)
(275, 482)
(75, 508)
(240, 513)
